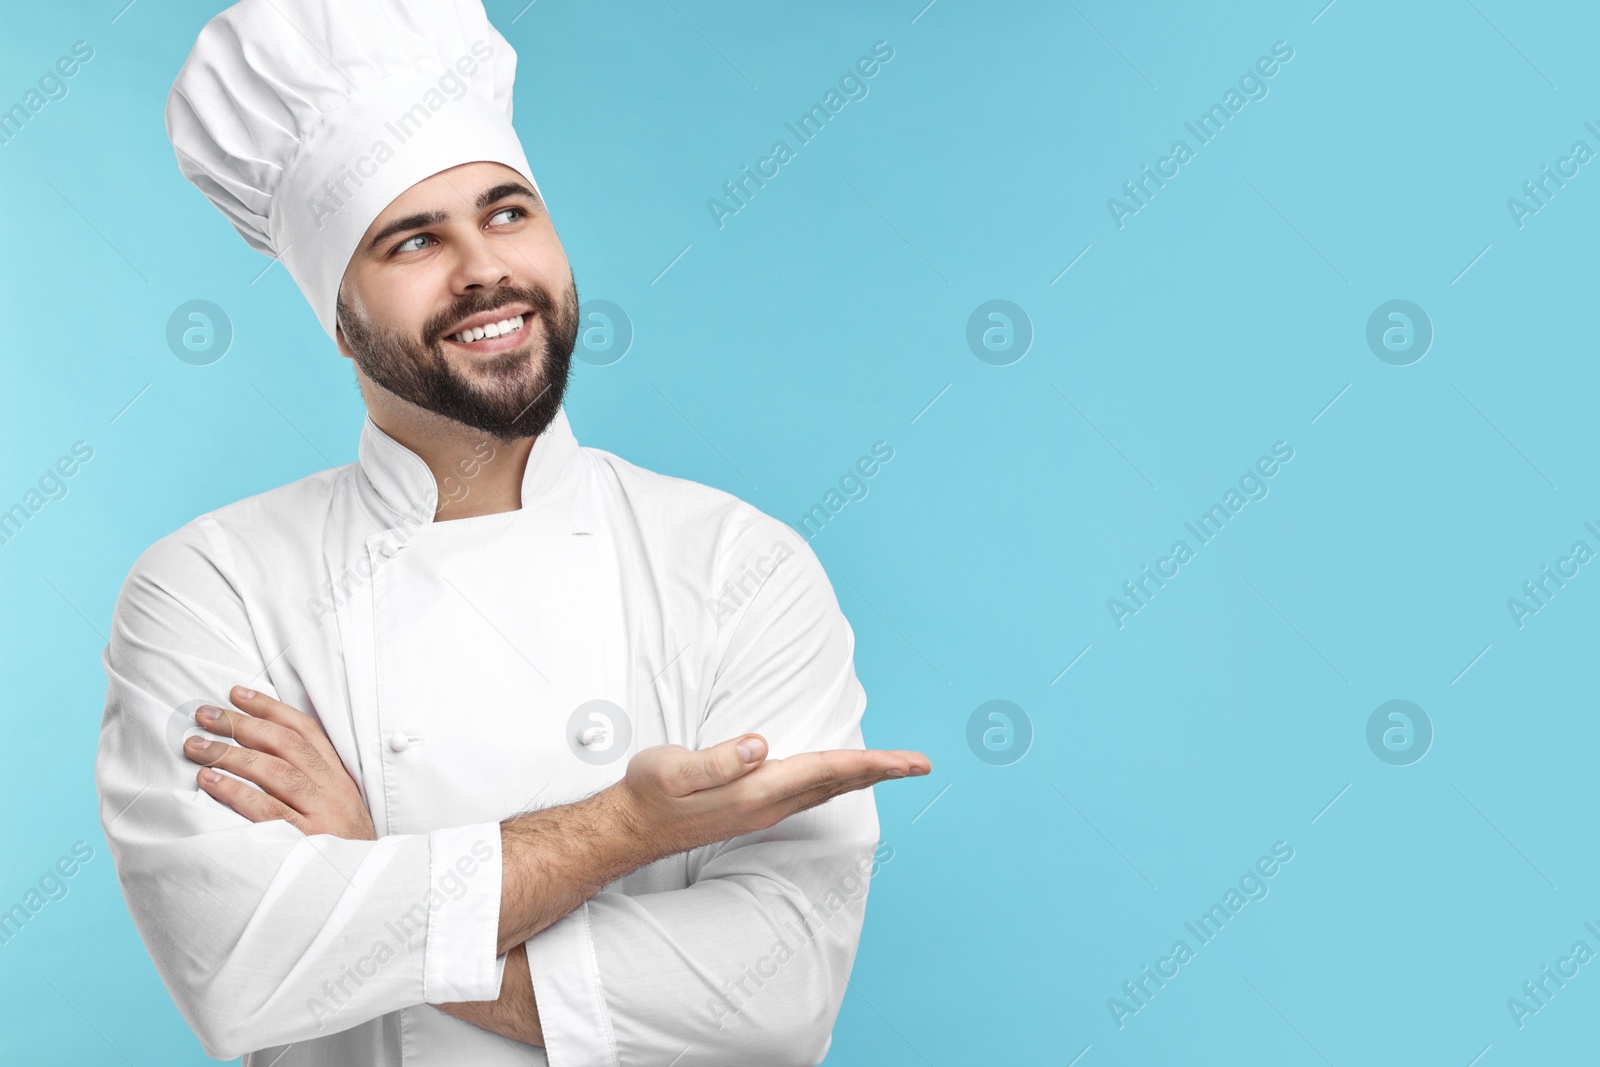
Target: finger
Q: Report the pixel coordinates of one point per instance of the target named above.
(283, 782)
(782, 790)
(914, 763)
(267, 736)
(262, 706)
(714, 766)
(316, 754)
(251, 803)
(812, 770)
(817, 797)
(202, 751)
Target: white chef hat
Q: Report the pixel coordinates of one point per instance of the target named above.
(302, 120)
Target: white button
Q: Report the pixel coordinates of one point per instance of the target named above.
(399, 742)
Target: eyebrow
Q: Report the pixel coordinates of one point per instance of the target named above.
(438, 218)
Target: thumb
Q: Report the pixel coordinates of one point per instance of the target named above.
(732, 759)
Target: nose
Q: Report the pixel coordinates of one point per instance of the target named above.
(485, 262)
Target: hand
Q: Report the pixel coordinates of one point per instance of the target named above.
(515, 1014)
(694, 798)
(285, 752)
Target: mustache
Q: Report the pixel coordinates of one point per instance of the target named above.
(537, 297)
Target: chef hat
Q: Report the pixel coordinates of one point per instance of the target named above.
(302, 120)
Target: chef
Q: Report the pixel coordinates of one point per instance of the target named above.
(488, 748)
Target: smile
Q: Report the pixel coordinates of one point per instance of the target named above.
(494, 336)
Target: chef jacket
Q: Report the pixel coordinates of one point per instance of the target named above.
(468, 670)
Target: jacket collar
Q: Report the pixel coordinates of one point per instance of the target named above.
(405, 484)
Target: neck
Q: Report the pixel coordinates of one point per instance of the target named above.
(476, 472)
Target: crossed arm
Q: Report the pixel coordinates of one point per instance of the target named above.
(672, 799)
(276, 860)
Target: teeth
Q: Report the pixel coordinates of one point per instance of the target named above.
(493, 329)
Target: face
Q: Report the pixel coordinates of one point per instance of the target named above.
(469, 246)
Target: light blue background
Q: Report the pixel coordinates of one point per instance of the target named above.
(826, 315)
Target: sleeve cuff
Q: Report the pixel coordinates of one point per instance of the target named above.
(566, 988)
(463, 903)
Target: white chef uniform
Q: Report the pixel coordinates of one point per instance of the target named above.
(465, 670)
(446, 661)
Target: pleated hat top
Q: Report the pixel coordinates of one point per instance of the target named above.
(302, 120)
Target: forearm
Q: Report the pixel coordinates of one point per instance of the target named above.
(514, 1015)
(551, 862)
(298, 936)
(584, 945)
(555, 859)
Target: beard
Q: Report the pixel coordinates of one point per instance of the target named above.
(512, 395)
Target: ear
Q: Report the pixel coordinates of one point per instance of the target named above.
(339, 342)
(338, 329)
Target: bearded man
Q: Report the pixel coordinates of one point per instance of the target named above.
(463, 752)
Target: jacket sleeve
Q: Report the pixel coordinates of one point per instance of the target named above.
(749, 963)
(263, 935)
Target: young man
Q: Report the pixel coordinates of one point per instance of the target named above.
(488, 748)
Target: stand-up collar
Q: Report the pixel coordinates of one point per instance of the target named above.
(405, 483)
